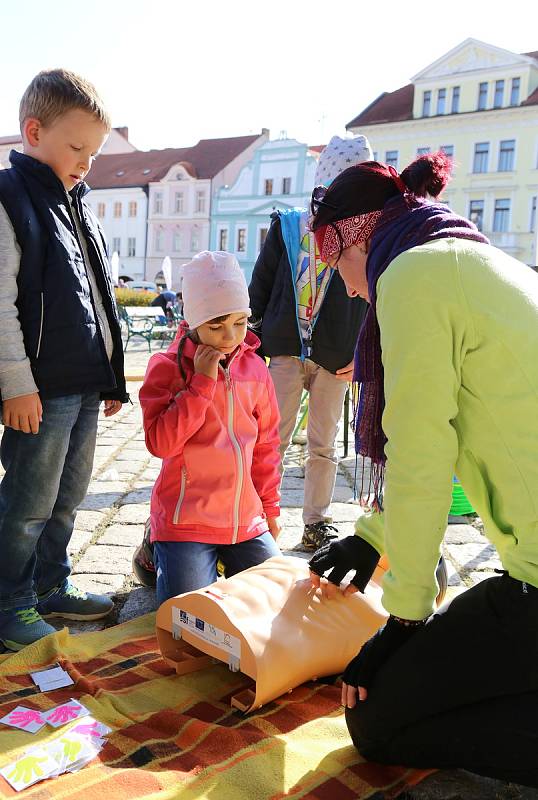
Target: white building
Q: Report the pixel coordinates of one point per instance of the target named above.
(158, 203)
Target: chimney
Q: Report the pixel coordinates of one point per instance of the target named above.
(123, 131)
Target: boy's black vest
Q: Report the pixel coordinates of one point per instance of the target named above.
(56, 311)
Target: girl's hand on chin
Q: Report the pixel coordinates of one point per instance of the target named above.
(206, 361)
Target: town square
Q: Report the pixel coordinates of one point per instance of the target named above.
(268, 390)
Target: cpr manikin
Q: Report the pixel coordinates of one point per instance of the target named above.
(271, 624)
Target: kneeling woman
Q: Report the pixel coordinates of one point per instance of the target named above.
(447, 360)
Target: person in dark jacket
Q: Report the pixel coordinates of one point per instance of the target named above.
(309, 328)
(62, 352)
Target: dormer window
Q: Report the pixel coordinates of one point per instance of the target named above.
(180, 176)
(426, 104)
(514, 92)
(120, 172)
(441, 101)
(146, 171)
(499, 94)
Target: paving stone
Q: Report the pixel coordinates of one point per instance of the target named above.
(342, 494)
(88, 520)
(346, 512)
(462, 534)
(133, 513)
(472, 555)
(150, 474)
(98, 583)
(139, 496)
(129, 467)
(98, 486)
(292, 498)
(141, 600)
(105, 559)
(123, 535)
(99, 500)
(79, 539)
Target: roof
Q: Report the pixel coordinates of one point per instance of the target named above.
(317, 148)
(388, 107)
(397, 106)
(204, 160)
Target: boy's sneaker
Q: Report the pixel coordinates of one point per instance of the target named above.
(22, 626)
(317, 534)
(72, 603)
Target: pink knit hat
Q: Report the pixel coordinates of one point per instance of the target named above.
(213, 285)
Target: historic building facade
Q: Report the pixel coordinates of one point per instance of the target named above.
(480, 104)
(279, 175)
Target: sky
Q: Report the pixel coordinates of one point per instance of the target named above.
(176, 71)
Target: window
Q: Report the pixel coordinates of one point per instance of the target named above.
(441, 101)
(101, 208)
(455, 99)
(426, 104)
(423, 151)
(268, 186)
(481, 153)
(286, 185)
(501, 215)
(448, 150)
(262, 237)
(532, 226)
(506, 155)
(116, 245)
(117, 210)
(158, 203)
(176, 241)
(159, 240)
(131, 246)
(374, 155)
(391, 158)
(223, 239)
(133, 208)
(514, 92)
(200, 202)
(499, 94)
(241, 240)
(195, 241)
(482, 96)
(178, 203)
(476, 213)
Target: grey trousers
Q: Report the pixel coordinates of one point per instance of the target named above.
(326, 398)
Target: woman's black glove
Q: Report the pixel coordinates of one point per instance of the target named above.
(361, 670)
(343, 556)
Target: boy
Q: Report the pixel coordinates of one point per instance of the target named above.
(61, 352)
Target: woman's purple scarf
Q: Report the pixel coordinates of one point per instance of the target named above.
(406, 222)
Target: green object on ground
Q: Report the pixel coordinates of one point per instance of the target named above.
(460, 504)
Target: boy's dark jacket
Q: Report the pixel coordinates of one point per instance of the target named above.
(59, 324)
(273, 300)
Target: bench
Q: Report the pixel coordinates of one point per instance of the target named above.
(143, 322)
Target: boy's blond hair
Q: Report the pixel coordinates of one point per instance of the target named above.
(54, 92)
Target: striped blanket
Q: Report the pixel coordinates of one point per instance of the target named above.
(177, 736)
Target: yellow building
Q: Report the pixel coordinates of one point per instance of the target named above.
(479, 103)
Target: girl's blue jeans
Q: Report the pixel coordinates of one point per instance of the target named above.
(186, 566)
(47, 477)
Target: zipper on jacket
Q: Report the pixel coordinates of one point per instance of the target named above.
(40, 325)
(236, 446)
(181, 495)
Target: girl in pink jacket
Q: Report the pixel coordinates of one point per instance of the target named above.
(210, 413)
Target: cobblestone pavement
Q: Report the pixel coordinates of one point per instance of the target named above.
(110, 521)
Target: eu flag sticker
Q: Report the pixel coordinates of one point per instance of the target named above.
(200, 624)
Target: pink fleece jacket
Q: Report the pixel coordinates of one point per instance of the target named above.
(219, 478)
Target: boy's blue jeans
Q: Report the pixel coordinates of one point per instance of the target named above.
(47, 477)
(186, 566)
